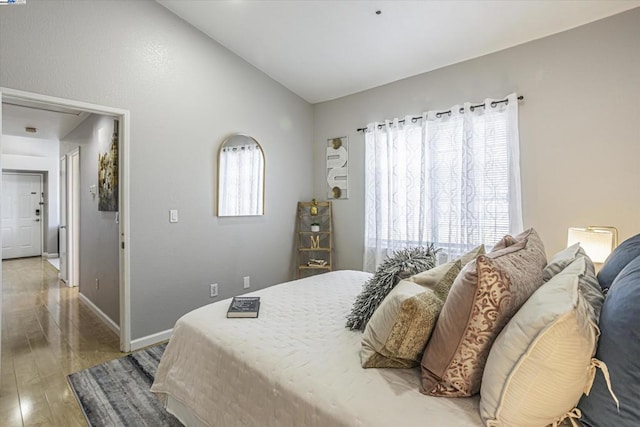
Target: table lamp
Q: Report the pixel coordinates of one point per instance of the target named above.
(597, 241)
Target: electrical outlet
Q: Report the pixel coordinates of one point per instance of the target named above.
(97, 284)
(213, 289)
(247, 282)
(173, 215)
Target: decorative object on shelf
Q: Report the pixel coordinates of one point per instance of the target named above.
(315, 242)
(337, 168)
(400, 265)
(240, 177)
(315, 247)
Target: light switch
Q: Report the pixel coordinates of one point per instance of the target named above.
(173, 215)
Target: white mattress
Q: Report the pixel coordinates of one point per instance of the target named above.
(296, 365)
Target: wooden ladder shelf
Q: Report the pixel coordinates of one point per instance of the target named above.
(314, 235)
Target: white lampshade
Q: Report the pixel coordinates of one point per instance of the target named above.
(597, 242)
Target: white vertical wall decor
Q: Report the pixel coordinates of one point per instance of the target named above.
(338, 168)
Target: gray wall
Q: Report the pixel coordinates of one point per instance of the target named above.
(579, 132)
(186, 93)
(99, 254)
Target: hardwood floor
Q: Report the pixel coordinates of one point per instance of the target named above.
(46, 335)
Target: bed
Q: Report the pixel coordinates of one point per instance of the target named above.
(295, 365)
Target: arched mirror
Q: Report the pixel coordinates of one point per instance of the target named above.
(240, 177)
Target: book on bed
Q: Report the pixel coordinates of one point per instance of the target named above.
(244, 307)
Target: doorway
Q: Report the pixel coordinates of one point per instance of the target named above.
(11, 95)
(22, 202)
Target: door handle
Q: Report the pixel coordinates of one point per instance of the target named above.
(37, 219)
(63, 226)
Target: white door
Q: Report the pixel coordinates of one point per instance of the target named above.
(21, 215)
(73, 217)
(64, 264)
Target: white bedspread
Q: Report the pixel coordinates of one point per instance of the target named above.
(296, 365)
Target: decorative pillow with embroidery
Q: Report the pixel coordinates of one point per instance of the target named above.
(400, 265)
(398, 331)
(541, 362)
(484, 296)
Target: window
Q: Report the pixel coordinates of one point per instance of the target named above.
(241, 177)
(451, 179)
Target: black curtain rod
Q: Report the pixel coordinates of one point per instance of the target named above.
(442, 113)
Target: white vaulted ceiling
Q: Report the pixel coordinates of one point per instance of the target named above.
(323, 50)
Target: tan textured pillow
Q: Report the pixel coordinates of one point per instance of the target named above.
(484, 296)
(539, 365)
(433, 276)
(505, 242)
(398, 331)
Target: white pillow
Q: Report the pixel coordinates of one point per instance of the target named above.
(539, 365)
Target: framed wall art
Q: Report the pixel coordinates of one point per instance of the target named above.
(108, 172)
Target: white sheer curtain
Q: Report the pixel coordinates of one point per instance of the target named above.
(241, 168)
(452, 179)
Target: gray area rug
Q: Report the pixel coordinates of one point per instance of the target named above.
(116, 393)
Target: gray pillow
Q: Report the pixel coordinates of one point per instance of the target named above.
(618, 348)
(400, 265)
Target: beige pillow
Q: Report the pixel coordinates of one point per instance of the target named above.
(433, 276)
(484, 296)
(539, 365)
(398, 331)
(471, 255)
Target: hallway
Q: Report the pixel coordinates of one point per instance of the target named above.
(46, 334)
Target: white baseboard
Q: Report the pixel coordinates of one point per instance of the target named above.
(106, 319)
(152, 339)
(136, 344)
(50, 255)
